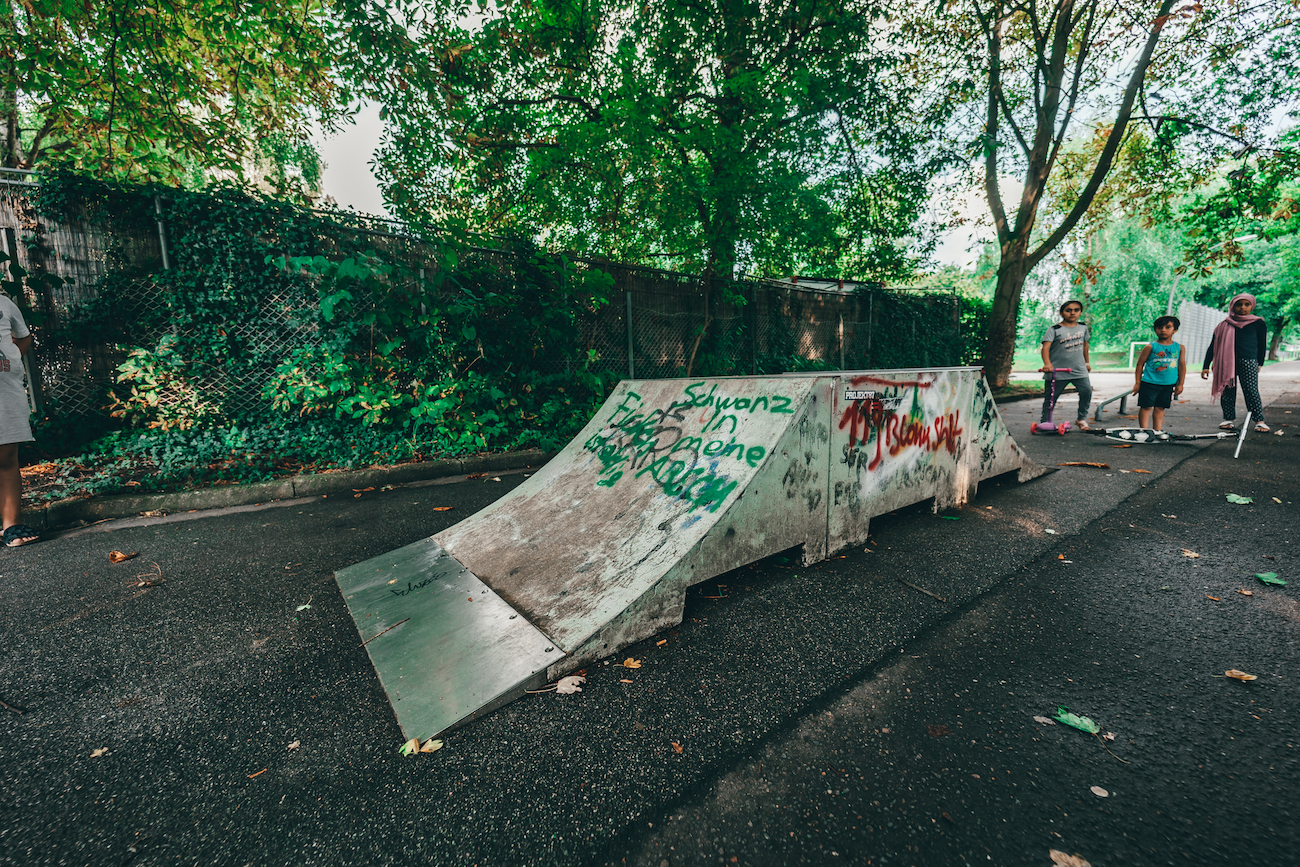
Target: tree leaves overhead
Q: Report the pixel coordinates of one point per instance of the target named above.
(702, 135)
(154, 90)
(1051, 93)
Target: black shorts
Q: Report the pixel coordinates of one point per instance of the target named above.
(1151, 394)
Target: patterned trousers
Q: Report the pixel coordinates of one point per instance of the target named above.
(1052, 392)
(1248, 376)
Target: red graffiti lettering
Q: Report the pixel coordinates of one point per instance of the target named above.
(876, 380)
(897, 433)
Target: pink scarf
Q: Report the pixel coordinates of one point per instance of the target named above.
(1225, 346)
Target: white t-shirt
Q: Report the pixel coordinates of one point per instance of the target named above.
(15, 412)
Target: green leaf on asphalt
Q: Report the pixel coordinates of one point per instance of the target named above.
(1235, 498)
(411, 747)
(1082, 723)
(1270, 578)
(949, 517)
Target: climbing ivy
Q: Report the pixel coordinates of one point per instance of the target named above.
(273, 315)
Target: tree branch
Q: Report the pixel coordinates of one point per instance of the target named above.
(994, 39)
(1107, 155)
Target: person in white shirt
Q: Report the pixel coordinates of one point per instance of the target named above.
(15, 422)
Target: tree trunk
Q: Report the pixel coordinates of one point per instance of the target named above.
(11, 148)
(1279, 327)
(1000, 349)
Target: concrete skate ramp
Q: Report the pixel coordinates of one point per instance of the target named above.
(671, 483)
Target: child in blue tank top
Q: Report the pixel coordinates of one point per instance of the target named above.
(1161, 369)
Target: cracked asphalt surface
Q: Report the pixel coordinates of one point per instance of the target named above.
(877, 708)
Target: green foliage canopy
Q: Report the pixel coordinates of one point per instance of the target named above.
(777, 137)
(159, 91)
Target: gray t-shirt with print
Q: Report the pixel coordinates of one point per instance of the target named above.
(1067, 349)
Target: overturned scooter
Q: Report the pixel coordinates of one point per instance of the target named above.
(1146, 435)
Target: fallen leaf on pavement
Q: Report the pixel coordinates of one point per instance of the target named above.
(102, 751)
(410, 748)
(1240, 675)
(1235, 498)
(1060, 859)
(1085, 464)
(1192, 554)
(302, 607)
(1246, 592)
(1270, 578)
(294, 745)
(569, 685)
(1082, 723)
(677, 748)
(119, 557)
(1148, 472)
(431, 746)
(631, 663)
(442, 508)
(1212, 598)
(1110, 736)
(1047, 721)
(1100, 792)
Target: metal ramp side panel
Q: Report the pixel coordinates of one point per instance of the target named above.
(921, 434)
(575, 546)
(445, 646)
(784, 506)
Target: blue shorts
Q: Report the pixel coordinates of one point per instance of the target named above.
(1151, 394)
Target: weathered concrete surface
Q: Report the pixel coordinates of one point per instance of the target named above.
(674, 482)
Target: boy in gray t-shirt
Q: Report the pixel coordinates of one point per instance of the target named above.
(1065, 344)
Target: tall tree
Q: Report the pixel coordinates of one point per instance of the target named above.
(151, 89)
(1044, 68)
(704, 134)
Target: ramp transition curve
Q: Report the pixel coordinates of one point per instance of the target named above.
(671, 483)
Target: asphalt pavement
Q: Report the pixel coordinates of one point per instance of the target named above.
(208, 701)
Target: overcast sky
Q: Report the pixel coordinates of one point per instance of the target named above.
(347, 156)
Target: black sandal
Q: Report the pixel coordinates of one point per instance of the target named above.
(18, 535)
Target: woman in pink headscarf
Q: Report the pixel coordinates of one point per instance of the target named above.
(1236, 353)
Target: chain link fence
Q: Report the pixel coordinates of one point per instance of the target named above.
(103, 283)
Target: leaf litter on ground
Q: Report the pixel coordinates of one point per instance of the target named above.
(1270, 578)
(1062, 859)
(1082, 723)
(1236, 498)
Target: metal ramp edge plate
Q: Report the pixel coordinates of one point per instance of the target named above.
(444, 644)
